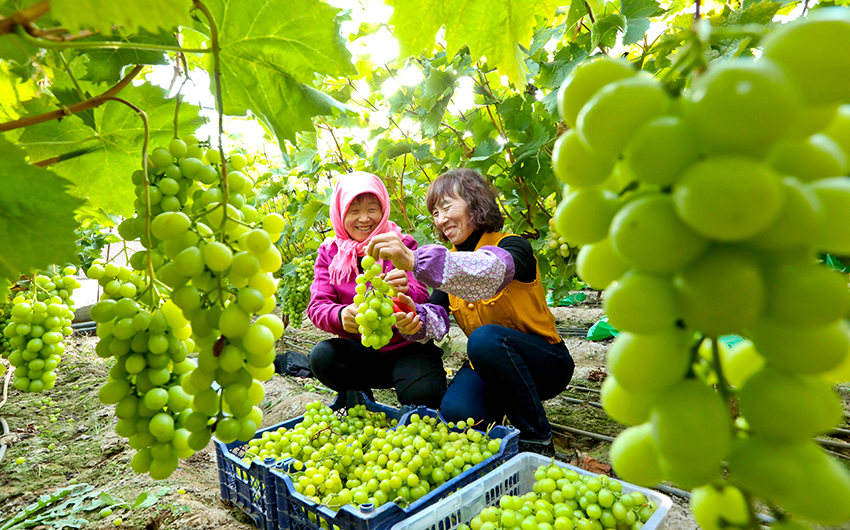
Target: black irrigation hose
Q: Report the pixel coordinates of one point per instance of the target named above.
(581, 402)
(563, 429)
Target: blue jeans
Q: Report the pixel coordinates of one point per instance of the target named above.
(513, 372)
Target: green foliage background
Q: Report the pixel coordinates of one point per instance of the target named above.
(286, 64)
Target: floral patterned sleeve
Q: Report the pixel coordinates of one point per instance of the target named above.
(468, 275)
(435, 321)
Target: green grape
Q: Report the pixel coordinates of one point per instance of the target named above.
(576, 165)
(780, 344)
(789, 407)
(741, 106)
(828, 298)
(715, 509)
(721, 293)
(626, 407)
(796, 222)
(635, 455)
(641, 303)
(614, 114)
(661, 150)
(798, 48)
(740, 362)
(170, 225)
(692, 428)
(161, 157)
(832, 235)
(648, 234)
(649, 363)
(217, 256)
(728, 198)
(583, 216)
(815, 157)
(177, 148)
(839, 128)
(585, 80)
(799, 477)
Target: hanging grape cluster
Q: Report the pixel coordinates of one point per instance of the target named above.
(296, 289)
(210, 294)
(703, 216)
(5, 316)
(375, 317)
(38, 320)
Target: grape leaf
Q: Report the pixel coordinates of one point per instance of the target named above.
(131, 15)
(105, 66)
(103, 175)
(271, 53)
(640, 8)
(500, 27)
(33, 233)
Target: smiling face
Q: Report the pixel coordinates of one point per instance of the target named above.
(363, 216)
(451, 217)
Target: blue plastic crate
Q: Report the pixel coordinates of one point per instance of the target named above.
(297, 512)
(514, 477)
(250, 486)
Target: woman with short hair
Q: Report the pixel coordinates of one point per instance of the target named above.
(490, 282)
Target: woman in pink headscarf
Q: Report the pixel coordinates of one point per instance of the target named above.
(360, 208)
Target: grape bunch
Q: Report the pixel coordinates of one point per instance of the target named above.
(296, 289)
(359, 459)
(38, 321)
(374, 306)
(558, 243)
(189, 327)
(702, 216)
(562, 499)
(5, 346)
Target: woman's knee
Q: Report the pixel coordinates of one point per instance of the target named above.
(428, 391)
(485, 345)
(322, 357)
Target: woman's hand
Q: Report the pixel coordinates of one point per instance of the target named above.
(390, 246)
(349, 313)
(397, 279)
(407, 323)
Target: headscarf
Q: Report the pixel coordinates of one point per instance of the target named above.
(348, 188)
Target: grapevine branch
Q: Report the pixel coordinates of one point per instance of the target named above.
(75, 108)
(24, 32)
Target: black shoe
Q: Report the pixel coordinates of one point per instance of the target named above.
(540, 447)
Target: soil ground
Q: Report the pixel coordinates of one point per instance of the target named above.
(81, 448)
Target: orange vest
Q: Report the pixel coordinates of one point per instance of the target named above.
(520, 306)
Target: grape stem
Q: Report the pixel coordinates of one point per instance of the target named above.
(722, 385)
(146, 183)
(216, 49)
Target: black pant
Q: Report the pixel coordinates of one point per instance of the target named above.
(416, 370)
(511, 373)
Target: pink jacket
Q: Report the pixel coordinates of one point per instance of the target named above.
(327, 300)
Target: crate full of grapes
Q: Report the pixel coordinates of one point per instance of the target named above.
(532, 492)
(243, 468)
(395, 474)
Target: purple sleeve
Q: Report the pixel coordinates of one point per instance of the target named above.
(416, 290)
(324, 307)
(435, 323)
(468, 275)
